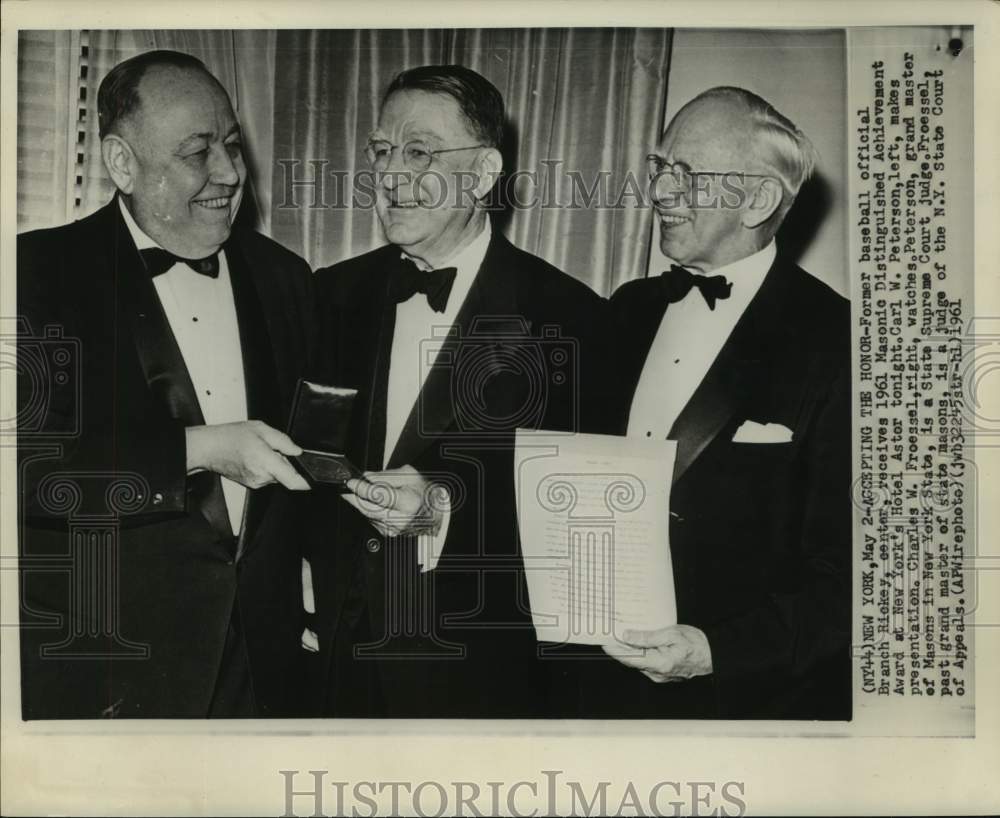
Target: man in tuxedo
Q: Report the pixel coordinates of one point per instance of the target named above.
(453, 338)
(743, 359)
(160, 564)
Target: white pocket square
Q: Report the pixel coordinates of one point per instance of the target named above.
(752, 432)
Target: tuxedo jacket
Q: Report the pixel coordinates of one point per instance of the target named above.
(458, 640)
(760, 533)
(130, 570)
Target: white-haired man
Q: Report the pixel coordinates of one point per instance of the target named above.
(743, 359)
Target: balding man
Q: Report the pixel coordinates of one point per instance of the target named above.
(743, 359)
(190, 334)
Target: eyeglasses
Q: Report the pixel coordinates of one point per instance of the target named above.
(417, 155)
(682, 175)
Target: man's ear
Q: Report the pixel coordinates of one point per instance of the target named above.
(489, 166)
(119, 159)
(766, 199)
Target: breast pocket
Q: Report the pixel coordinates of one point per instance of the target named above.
(765, 451)
(758, 468)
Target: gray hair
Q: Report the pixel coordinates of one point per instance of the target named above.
(781, 145)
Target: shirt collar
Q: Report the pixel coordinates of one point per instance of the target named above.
(751, 269)
(139, 236)
(142, 241)
(469, 259)
(746, 275)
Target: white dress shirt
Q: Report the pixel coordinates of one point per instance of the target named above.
(202, 316)
(413, 356)
(413, 351)
(687, 343)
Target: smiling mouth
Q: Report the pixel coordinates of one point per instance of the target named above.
(670, 220)
(411, 205)
(214, 204)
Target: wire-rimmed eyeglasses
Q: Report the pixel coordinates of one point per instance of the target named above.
(417, 155)
(682, 175)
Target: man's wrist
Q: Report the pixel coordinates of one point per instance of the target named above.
(194, 449)
(438, 505)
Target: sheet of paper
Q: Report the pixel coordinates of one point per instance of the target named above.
(593, 514)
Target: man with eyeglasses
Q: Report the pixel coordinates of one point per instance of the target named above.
(160, 548)
(743, 359)
(453, 338)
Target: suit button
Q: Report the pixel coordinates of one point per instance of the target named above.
(157, 499)
(373, 545)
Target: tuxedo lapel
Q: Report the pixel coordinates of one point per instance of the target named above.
(259, 367)
(740, 363)
(257, 343)
(711, 406)
(434, 412)
(365, 326)
(636, 328)
(162, 362)
(159, 355)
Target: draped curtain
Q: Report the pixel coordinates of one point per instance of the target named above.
(47, 93)
(59, 73)
(583, 101)
(584, 107)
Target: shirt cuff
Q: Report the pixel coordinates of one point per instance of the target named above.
(308, 600)
(430, 545)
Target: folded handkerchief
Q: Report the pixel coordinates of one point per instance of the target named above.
(752, 432)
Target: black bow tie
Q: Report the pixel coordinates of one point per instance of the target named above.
(678, 281)
(158, 261)
(406, 279)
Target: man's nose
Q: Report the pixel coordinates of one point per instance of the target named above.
(395, 172)
(674, 198)
(665, 191)
(223, 169)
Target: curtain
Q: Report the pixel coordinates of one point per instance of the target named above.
(60, 172)
(583, 102)
(584, 108)
(47, 92)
